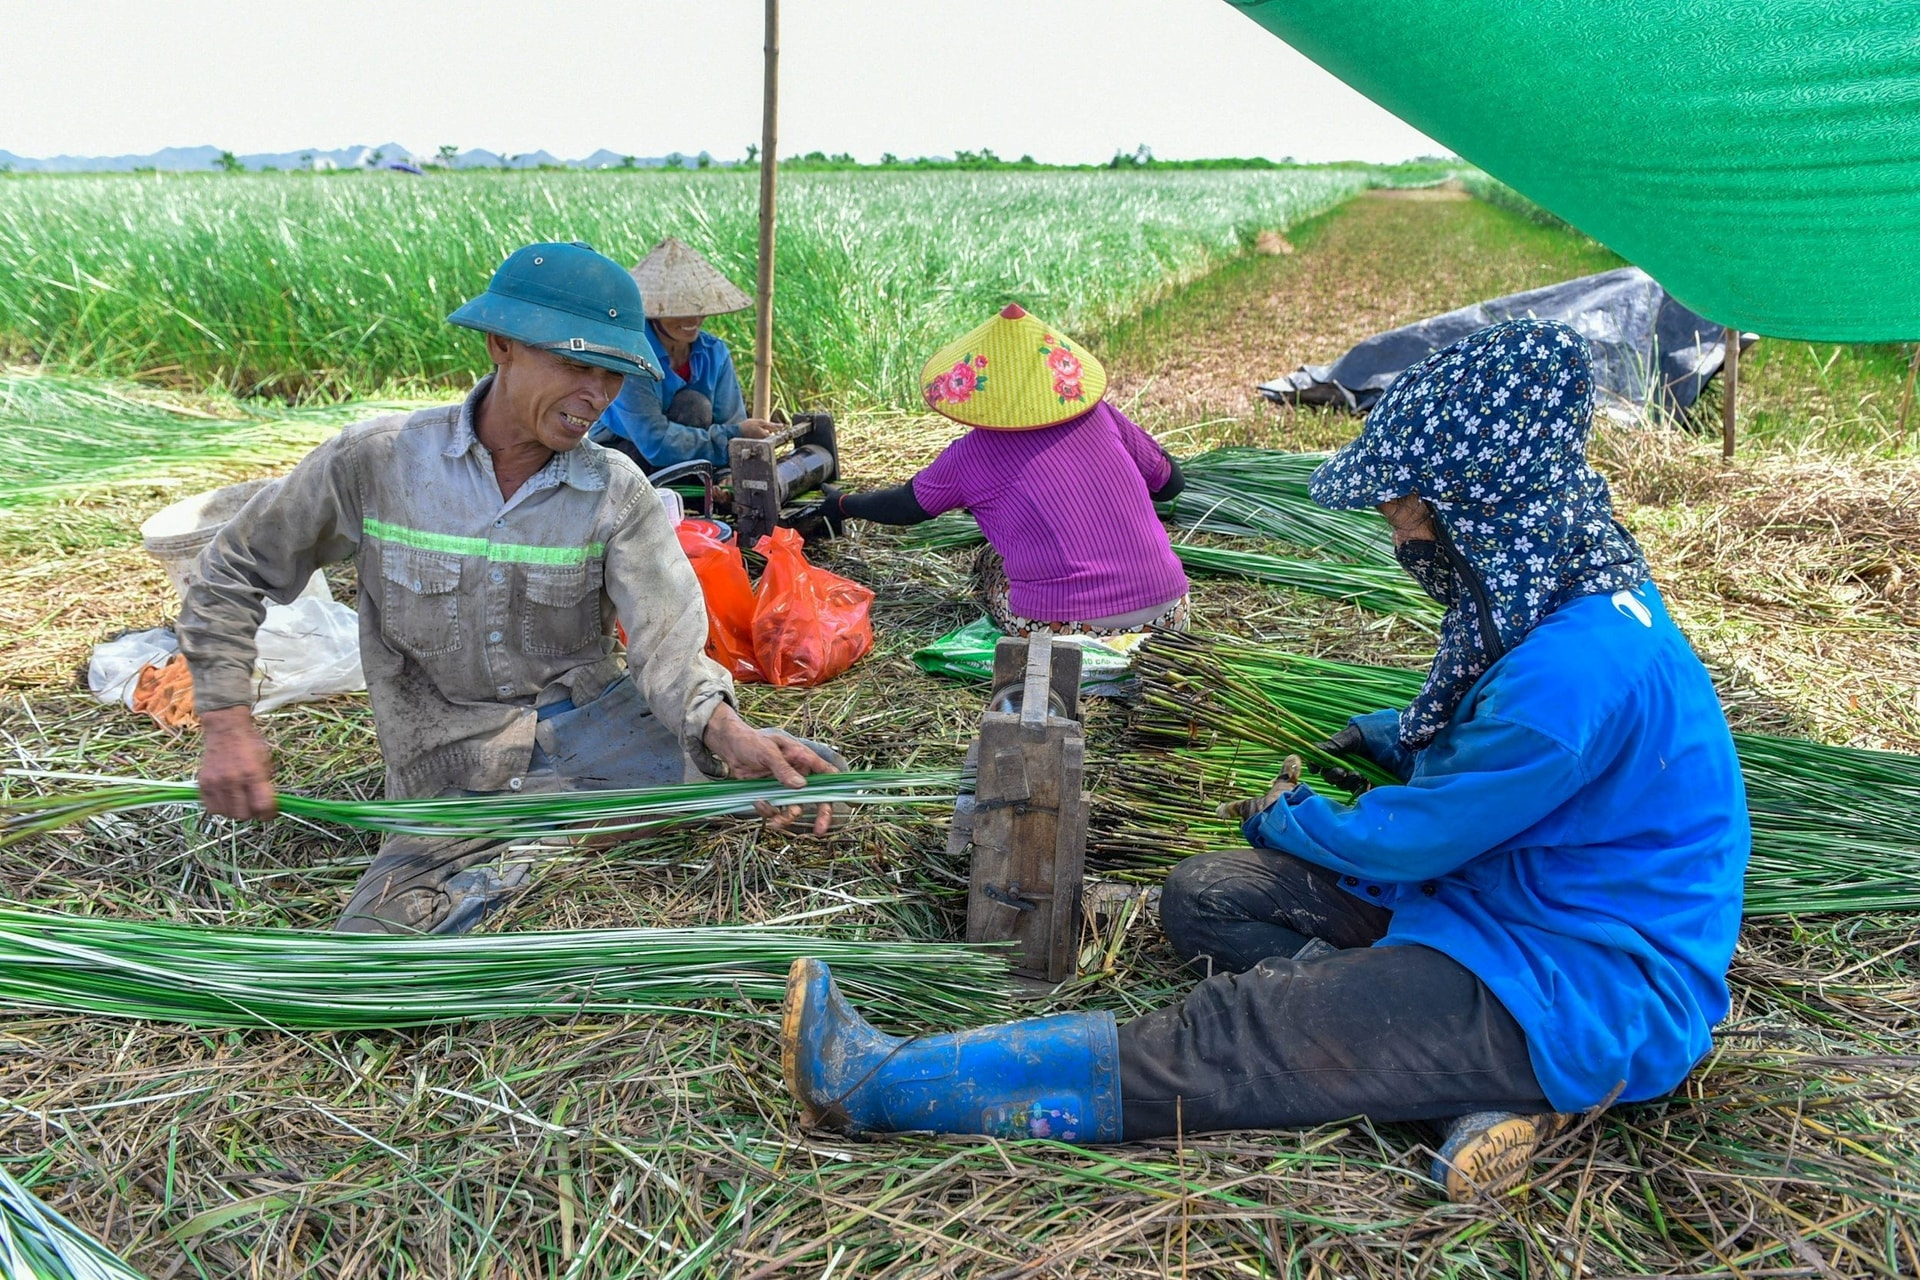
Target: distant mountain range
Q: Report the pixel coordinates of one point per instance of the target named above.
(203, 159)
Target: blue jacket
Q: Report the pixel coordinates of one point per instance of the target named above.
(1576, 835)
(639, 415)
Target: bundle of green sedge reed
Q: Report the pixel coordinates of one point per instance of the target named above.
(1262, 493)
(38, 1244)
(1258, 494)
(73, 435)
(1367, 586)
(506, 815)
(1834, 828)
(1383, 590)
(300, 979)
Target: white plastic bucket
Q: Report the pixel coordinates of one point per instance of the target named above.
(176, 535)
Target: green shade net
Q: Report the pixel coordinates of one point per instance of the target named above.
(1761, 160)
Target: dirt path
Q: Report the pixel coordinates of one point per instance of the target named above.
(1384, 259)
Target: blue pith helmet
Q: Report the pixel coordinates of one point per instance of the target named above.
(567, 299)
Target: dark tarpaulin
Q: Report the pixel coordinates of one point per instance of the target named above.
(1648, 350)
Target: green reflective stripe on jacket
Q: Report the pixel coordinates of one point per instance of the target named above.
(454, 545)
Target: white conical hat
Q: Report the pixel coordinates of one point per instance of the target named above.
(677, 281)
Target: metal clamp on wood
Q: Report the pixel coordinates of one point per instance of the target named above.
(1026, 824)
(765, 485)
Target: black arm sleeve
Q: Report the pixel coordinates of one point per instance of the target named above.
(1175, 481)
(886, 506)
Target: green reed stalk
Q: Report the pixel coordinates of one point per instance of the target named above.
(507, 815)
(1368, 579)
(1834, 828)
(38, 1244)
(1363, 585)
(1262, 493)
(287, 978)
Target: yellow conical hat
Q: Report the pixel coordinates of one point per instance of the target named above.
(1013, 373)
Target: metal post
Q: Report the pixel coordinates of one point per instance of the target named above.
(763, 293)
(1731, 390)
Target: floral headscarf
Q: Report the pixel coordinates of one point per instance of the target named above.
(1492, 432)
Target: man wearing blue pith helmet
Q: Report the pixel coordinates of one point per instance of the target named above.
(496, 546)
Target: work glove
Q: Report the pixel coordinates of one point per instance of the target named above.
(1252, 806)
(831, 511)
(1348, 742)
(824, 515)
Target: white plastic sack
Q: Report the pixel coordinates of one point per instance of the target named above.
(117, 664)
(308, 651)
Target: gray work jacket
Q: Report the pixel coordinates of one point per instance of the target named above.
(474, 610)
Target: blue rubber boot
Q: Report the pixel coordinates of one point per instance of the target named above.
(1055, 1077)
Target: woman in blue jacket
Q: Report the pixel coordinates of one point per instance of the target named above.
(1536, 921)
(696, 408)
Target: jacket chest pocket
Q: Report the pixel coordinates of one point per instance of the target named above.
(560, 610)
(420, 601)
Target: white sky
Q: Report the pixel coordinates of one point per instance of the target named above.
(1064, 80)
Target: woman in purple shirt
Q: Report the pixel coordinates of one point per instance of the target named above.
(1063, 486)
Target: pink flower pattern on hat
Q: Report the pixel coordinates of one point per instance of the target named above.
(958, 384)
(1065, 366)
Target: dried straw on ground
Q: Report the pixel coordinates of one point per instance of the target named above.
(596, 1147)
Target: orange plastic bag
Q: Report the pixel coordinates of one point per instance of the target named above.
(723, 581)
(164, 691)
(809, 625)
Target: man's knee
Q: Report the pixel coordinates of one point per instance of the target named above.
(1198, 894)
(690, 409)
(406, 913)
(828, 754)
(415, 883)
(819, 748)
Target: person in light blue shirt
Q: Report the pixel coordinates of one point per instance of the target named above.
(1533, 918)
(696, 408)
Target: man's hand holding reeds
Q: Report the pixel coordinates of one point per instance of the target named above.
(756, 753)
(236, 770)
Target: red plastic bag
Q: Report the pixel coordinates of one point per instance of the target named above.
(723, 581)
(809, 625)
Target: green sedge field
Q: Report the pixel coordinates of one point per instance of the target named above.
(164, 335)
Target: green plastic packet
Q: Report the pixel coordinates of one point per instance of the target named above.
(1106, 663)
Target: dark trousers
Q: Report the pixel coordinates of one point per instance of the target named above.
(1267, 1042)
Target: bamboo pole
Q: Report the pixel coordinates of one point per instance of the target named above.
(1731, 390)
(1906, 398)
(763, 291)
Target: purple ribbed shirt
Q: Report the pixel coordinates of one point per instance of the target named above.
(1068, 509)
